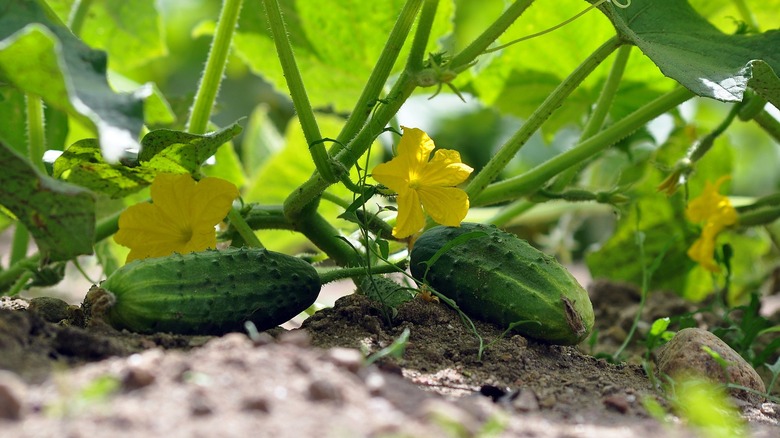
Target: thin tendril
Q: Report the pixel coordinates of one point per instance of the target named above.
(558, 26)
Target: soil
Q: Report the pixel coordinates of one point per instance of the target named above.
(65, 378)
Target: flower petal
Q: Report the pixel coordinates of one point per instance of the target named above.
(445, 170)
(410, 215)
(445, 205)
(414, 149)
(703, 250)
(213, 198)
(394, 174)
(710, 203)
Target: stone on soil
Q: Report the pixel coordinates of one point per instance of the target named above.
(684, 357)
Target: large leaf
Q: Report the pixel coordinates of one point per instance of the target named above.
(164, 151)
(518, 78)
(691, 50)
(60, 216)
(130, 31)
(40, 56)
(336, 46)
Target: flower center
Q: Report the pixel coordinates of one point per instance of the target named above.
(185, 235)
(414, 183)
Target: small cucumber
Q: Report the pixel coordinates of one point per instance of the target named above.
(209, 292)
(500, 278)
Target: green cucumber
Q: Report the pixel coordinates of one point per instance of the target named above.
(497, 277)
(210, 292)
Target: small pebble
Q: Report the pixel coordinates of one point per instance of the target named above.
(259, 404)
(136, 377)
(199, 407)
(617, 402)
(683, 356)
(323, 390)
(11, 395)
(526, 401)
(298, 338)
(347, 358)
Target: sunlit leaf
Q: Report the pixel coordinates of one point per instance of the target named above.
(335, 47)
(164, 151)
(689, 49)
(39, 55)
(60, 216)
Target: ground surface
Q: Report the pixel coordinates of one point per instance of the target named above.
(68, 381)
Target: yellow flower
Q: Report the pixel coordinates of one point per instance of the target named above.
(716, 212)
(181, 217)
(421, 183)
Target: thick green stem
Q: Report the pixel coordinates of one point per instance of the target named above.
(356, 272)
(347, 157)
(770, 124)
(420, 42)
(542, 113)
(246, 233)
(327, 238)
(511, 211)
(78, 13)
(600, 111)
(535, 178)
(465, 57)
(763, 216)
(215, 67)
(36, 131)
(376, 82)
(747, 14)
(19, 244)
(298, 93)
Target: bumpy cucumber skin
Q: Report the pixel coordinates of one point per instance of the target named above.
(502, 279)
(210, 292)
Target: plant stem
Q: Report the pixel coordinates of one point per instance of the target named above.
(747, 14)
(238, 222)
(78, 13)
(327, 238)
(461, 60)
(769, 124)
(215, 67)
(762, 216)
(600, 111)
(416, 57)
(19, 243)
(402, 89)
(542, 113)
(36, 131)
(358, 271)
(511, 211)
(298, 91)
(535, 178)
(378, 78)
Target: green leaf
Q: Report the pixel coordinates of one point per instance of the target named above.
(60, 216)
(40, 56)
(517, 79)
(336, 46)
(83, 164)
(130, 31)
(164, 151)
(691, 50)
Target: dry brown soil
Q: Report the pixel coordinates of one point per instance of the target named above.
(64, 380)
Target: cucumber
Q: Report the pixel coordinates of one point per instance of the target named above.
(500, 278)
(210, 292)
